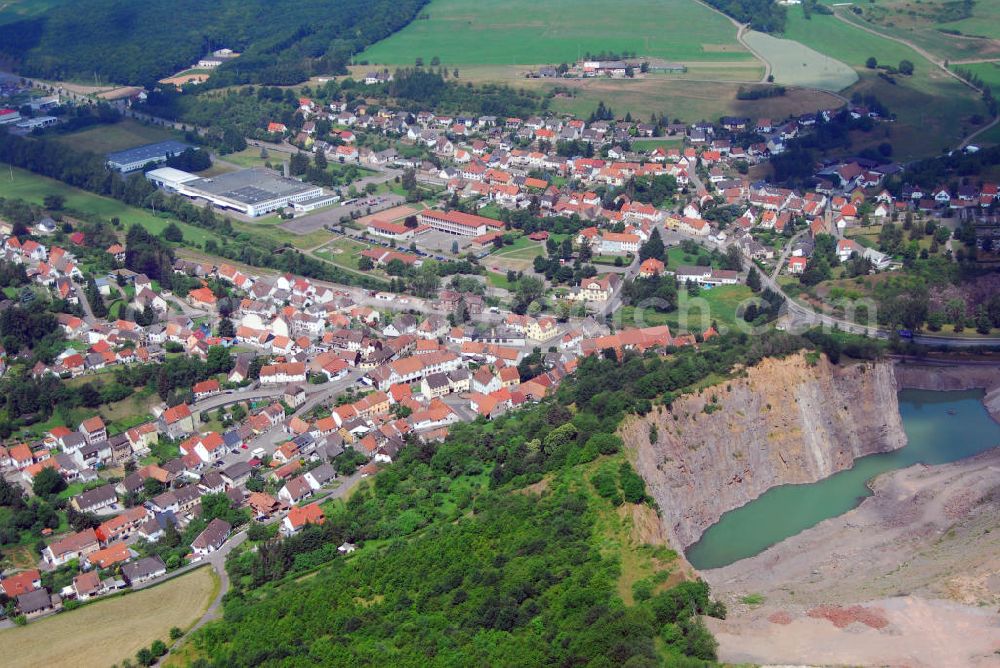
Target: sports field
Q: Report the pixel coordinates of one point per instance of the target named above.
(526, 32)
(108, 632)
(795, 64)
(127, 133)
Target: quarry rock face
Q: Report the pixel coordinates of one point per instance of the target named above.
(786, 421)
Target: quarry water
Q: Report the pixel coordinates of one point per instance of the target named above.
(940, 427)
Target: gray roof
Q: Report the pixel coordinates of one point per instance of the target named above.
(213, 536)
(143, 568)
(34, 601)
(249, 186)
(436, 380)
(323, 473)
(149, 152)
(232, 438)
(237, 470)
(103, 494)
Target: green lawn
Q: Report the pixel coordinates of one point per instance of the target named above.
(526, 252)
(676, 257)
(33, 188)
(250, 157)
(519, 32)
(693, 314)
(648, 144)
(498, 280)
(125, 134)
(343, 252)
(269, 227)
(988, 72)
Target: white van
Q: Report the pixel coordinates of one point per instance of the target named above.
(257, 452)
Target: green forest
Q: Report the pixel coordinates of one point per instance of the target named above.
(493, 547)
(762, 15)
(139, 42)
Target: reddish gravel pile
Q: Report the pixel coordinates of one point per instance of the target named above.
(781, 617)
(841, 617)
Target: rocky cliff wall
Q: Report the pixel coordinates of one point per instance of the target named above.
(955, 376)
(785, 422)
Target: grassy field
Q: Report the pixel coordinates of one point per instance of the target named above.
(924, 23)
(250, 157)
(343, 252)
(693, 314)
(677, 257)
(269, 227)
(33, 188)
(988, 72)
(125, 134)
(985, 20)
(795, 64)
(688, 100)
(526, 252)
(107, 632)
(933, 109)
(521, 32)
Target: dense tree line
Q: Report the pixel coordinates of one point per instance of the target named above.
(762, 15)
(137, 43)
(146, 254)
(416, 89)
(947, 169)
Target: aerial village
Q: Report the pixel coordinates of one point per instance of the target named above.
(323, 384)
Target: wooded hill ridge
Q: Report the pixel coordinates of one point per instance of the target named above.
(124, 42)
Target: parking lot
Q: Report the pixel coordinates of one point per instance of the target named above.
(437, 242)
(331, 217)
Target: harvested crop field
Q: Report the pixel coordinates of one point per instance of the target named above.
(107, 632)
(795, 64)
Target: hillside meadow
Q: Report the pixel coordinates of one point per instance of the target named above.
(110, 137)
(523, 32)
(934, 110)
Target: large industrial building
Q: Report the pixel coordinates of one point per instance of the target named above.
(253, 192)
(133, 159)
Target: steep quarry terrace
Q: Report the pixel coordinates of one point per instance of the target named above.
(786, 422)
(909, 576)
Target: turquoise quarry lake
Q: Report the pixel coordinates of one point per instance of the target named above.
(941, 427)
